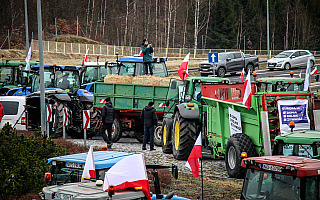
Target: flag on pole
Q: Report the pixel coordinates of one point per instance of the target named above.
(183, 70)
(128, 172)
(85, 57)
(89, 168)
(242, 75)
(315, 71)
(306, 78)
(28, 60)
(193, 160)
(299, 75)
(140, 54)
(247, 91)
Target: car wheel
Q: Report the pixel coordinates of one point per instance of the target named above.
(221, 72)
(287, 66)
(311, 63)
(250, 67)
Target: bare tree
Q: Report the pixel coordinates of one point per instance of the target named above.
(174, 23)
(169, 22)
(196, 22)
(126, 27)
(208, 20)
(185, 26)
(88, 12)
(156, 22)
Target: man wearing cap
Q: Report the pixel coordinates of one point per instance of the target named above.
(108, 116)
(149, 118)
(147, 50)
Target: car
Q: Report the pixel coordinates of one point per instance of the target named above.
(291, 59)
(232, 62)
(14, 112)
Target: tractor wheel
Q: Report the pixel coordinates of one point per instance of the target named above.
(184, 136)
(58, 118)
(116, 130)
(158, 136)
(237, 144)
(166, 136)
(95, 115)
(139, 136)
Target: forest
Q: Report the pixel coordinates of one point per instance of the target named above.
(214, 24)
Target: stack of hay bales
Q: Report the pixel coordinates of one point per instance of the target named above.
(139, 80)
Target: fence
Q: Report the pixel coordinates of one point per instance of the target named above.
(110, 50)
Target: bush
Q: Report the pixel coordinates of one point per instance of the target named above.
(23, 161)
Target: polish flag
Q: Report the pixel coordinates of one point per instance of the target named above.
(315, 71)
(247, 91)
(193, 160)
(28, 60)
(140, 54)
(85, 57)
(306, 78)
(299, 75)
(184, 68)
(128, 172)
(89, 168)
(242, 75)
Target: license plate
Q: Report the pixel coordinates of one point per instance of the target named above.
(62, 196)
(272, 168)
(74, 165)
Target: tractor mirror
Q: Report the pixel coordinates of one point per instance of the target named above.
(175, 171)
(173, 85)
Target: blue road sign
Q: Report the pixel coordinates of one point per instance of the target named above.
(213, 57)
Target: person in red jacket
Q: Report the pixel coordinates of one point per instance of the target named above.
(1, 112)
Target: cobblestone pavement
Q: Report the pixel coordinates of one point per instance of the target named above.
(211, 167)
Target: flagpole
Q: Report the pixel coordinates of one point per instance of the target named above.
(201, 180)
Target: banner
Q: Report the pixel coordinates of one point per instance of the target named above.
(234, 122)
(293, 110)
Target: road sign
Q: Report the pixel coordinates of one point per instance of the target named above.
(65, 116)
(213, 57)
(86, 119)
(49, 112)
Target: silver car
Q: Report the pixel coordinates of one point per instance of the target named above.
(290, 59)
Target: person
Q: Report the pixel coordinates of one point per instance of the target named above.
(147, 49)
(149, 118)
(108, 116)
(65, 82)
(1, 112)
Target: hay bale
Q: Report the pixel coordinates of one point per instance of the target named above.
(118, 79)
(146, 80)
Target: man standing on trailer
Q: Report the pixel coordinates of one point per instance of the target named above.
(149, 118)
(147, 50)
(108, 116)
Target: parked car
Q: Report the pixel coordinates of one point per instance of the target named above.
(14, 111)
(290, 59)
(232, 62)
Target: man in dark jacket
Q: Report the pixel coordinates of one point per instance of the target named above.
(108, 116)
(149, 118)
(147, 49)
(1, 112)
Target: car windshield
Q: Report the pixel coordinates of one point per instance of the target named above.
(222, 56)
(268, 185)
(6, 76)
(283, 55)
(128, 69)
(302, 150)
(66, 175)
(91, 73)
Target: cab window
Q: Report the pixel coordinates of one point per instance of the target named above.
(264, 87)
(298, 150)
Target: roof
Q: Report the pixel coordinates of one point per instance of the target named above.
(302, 166)
(66, 67)
(138, 59)
(87, 64)
(208, 79)
(102, 159)
(284, 79)
(16, 62)
(300, 137)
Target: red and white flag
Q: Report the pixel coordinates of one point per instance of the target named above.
(89, 168)
(85, 57)
(193, 160)
(299, 75)
(128, 172)
(242, 75)
(140, 54)
(247, 91)
(315, 71)
(183, 70)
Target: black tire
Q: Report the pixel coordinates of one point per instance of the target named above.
(139, 136)
(287, 66)
(166, 136)
(58, 118)
(251, 67)
(158, 136)
(184, 136)
(311, 63)
(221, 72)
(116, 130)
(237, 144)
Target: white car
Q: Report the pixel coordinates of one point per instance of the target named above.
(13, 111)
(290, 59)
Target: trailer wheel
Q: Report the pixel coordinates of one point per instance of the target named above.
(184, 136)
(237, 144)
(166, 136)
(139, 136)
(116, 130)
(158, 136)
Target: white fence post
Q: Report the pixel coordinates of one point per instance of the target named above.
(93, 49)
(71, 48)
(64, 47)
(56, 47)
(100, 49)
(114, 49)
(107, 50)
(79, 48)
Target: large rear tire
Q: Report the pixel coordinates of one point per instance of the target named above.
(184, 136)
(116, 130)
(158, 136)
(58, 118)
(237, 144)
(166, 136)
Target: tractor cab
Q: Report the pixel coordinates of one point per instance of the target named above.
(279, 84)
(281, 178)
